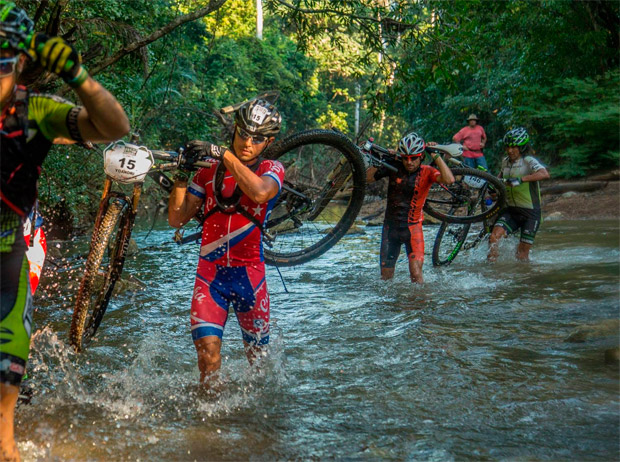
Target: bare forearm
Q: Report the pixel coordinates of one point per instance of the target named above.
(104, 111)
(446, 176)
(370, 174)
(177, 205)
(537, 176)
(252, 185)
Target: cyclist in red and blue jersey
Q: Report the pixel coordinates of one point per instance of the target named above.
(407, 191)
(236, 195)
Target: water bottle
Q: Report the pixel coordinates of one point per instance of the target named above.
(488, 201)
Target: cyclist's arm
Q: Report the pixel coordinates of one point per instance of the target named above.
(182, 206)
(445, 176)
(102, 118)
(539, 175)
(259, 189)
(370, 174)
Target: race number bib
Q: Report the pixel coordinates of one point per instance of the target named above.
(474, 181)
(127, 163)
(258, 114)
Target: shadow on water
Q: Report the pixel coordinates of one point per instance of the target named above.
(473, 365)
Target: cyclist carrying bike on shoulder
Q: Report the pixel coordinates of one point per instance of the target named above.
(236, 196)
(29, 125)
(521, 173)
(407, 191)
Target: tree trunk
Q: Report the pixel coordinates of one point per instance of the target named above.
(581, 186)
(358, 100)
(259, 19)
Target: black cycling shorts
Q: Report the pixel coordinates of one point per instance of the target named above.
(527, 220)
(15, 300)
(394, 236)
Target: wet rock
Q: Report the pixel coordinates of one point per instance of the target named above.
(555, 216)
(612, 355)
(355, 229)
(428, 220)
(127, 283)
(569, 194)
(375, 222)
(605, 328)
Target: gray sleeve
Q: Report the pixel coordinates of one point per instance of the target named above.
(533, 163)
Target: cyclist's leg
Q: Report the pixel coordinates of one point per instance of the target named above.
(504, 226)
(8, 401)
(15, 329)
(250, 299)
(528, 233)
(209, 313)
(390, 249)
(415, 252)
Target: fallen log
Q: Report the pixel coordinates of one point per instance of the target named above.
(614, 175)
(582, 186)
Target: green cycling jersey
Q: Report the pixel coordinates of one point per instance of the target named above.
(527, 194)
(29, 125)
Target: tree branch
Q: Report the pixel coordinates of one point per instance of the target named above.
(386, 22)
(130, 48)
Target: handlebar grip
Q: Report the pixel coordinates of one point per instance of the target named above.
(164, 155)
(380, 149)
(203, 164)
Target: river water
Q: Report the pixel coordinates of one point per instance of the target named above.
(473, 365)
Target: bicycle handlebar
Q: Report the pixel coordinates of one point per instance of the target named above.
(174, 155)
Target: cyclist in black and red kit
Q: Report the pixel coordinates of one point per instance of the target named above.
(407, 191)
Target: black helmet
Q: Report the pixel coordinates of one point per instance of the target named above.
(15, 27)
(259, 117)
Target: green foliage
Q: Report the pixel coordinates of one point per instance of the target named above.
(579, 120)
(550, 65)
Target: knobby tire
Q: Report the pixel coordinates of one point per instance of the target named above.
(85, 309)
(451, 216)
(353, 158)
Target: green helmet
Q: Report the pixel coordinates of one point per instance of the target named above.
(516, 137)
(15, 27)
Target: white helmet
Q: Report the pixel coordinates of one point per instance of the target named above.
(411, 145)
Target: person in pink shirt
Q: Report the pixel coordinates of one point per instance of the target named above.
(473, 138)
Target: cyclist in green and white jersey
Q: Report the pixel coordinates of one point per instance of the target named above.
(29, 125)
(521, 173)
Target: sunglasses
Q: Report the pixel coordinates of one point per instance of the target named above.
(7, 66)
(256, 139)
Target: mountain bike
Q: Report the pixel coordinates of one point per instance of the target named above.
(124, 163)
(459, 202)
(453, 238)
(321, 195)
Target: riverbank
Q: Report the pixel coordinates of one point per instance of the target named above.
(603, 203)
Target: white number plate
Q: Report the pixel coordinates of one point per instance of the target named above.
(127, 163)
(474, 181)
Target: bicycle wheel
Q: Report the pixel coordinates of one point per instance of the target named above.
(102, 270)
(454, 203)
(322, 194)
(448, 242)
(453, 238)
